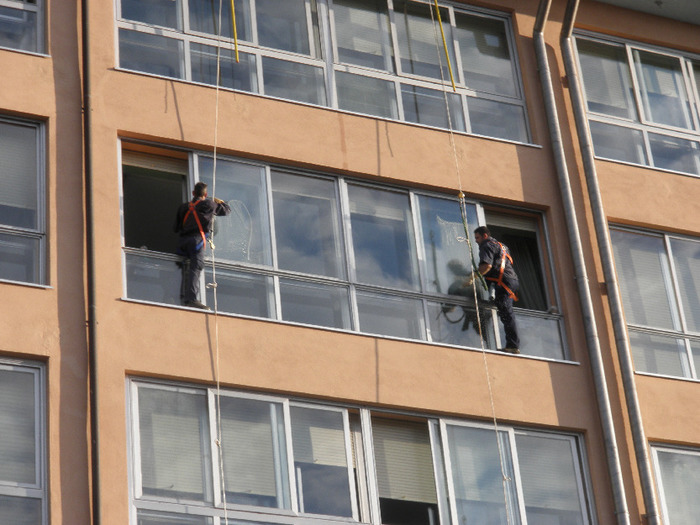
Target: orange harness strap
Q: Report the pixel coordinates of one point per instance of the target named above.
(193, 211)
(499, 280)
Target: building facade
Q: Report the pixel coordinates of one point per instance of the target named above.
(346, 371)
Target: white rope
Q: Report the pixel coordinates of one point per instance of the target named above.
(213, 285)
(463, 212)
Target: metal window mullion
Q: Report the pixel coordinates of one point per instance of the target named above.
(328, 46)
(393, 35)
(291, 473)
(458, 66)
(438, 456)
(659, 485)
(636, 86)
(516, 482)
(216, 451)
(348, 459)
(310, 29)
(449, 477)
(371, 466)
(136, 445)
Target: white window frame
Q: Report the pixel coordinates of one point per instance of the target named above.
(365, 476)
(643, 123)
(37, 490)
(38, 233)
(670, 279)
(329, 64)
(655, 449)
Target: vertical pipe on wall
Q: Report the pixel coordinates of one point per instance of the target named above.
(581, 276)
(90, 269)
(604, 246)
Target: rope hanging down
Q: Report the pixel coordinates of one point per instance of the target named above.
(475, 271)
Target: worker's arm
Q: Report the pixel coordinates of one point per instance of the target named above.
(484, 268)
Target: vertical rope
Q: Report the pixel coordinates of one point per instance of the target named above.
(465, 222)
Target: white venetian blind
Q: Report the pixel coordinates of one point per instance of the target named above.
(642, 268)
(155, 162)
(18, 175)
(318, 437)
(548, 476)
(173, 429)
(686, 257)
(17, 419)
(250, 447)
(404, 461)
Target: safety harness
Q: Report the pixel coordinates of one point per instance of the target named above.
(193, 210)
(499, 280)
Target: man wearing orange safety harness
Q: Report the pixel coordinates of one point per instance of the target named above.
(496, 265)
(193, 223)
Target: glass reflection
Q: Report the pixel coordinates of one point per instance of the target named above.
(239, 75)
(307, 225)
(372, 96)
(244, 234)
(294, 81)
(382, 235)
(362, 33)
(390, 315)
(315, 304)
(427, 106)
(482, 495)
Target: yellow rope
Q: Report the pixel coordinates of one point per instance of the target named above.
(447, 54)
(235, 30)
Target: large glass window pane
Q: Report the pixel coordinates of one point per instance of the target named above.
(165, 13)
(204, 18)
(428, 106)
(307, 225)
(420, 42)
(19, 258)
(18, 446)
(486, 60)
(19, 180)
(457, 324)
(674, 153)
(362, 33)
(550, 481)
(372, 96)
(20, 511)
(241, 293)
(18, 29)
(383, 240)
(446, 251)
(320, 462)
(663, 89)
(607, 79)
(645, 279)
(657, 354)
(497, 119)
(539, 336)
(282, 24)
(686, 259)
(479, 467)
(294, 81)
(154, 279)
(244, 234)
(405, 474)
(239, 75)
(174, 430)
(149, 53)
(315, 304)
(679, 480)
(618, 143)
(255, 458)
(390, 315)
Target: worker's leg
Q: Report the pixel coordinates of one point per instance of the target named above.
(504, 305)
(196, 265)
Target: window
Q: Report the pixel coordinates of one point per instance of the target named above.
(21, 208)
(290, 461)
(642, 104)
(377, 57)
(678, 481)
(328, 251)
(22, 469)
(21, 25)
(660, 286)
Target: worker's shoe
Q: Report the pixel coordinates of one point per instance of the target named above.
(196, 304)
(510, 350)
